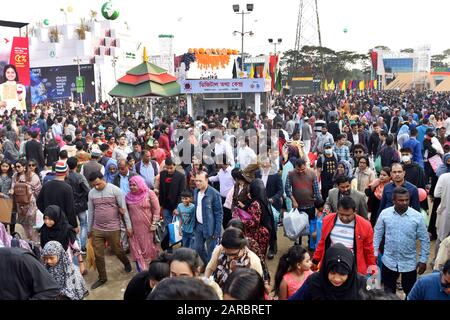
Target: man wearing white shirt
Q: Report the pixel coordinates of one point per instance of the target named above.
(222, 147)
(226, 182)
(122, 150)
(246, 155)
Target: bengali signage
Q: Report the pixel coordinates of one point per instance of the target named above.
(226, 86)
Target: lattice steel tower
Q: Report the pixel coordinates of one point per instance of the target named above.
(308, 26)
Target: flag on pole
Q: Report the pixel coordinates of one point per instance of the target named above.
(278, 85)
(325, 85)
(234, 70)
(375, 84)
(332, 86)
(252, 72)
(350, 85)
(361, 85)
(343, 87)
(371, 84)
(354, 84)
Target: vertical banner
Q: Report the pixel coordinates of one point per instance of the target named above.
(20, 57)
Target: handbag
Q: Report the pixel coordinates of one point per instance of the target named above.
(174, 231)
(377, 164)
(242, 214)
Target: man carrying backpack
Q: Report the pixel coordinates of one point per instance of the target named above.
(326, 168)
(81, 190)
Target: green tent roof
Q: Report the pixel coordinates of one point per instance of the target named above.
(146, 68)
(146, 89)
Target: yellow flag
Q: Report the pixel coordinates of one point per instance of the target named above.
(325, 85)
(361, 85)
(332, 86)
(375, 84)
(252, 72)
(343, 86)
(267, 74)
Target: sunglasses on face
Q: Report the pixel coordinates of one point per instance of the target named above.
(32, 165)
(359, 151)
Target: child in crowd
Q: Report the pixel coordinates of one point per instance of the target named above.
(186, 211)
(293, 269)
(315, 227)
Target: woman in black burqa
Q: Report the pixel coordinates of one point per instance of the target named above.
(56, 228)
(338, 278)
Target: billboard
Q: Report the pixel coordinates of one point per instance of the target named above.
(52, 84)
(301, 87)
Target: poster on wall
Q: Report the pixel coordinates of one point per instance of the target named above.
(14, 90)
(53, 84)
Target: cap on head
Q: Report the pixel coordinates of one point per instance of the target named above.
(61, 168)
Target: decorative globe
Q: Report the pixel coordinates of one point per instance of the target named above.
(109, 12)
(46, 22)
(345, 30)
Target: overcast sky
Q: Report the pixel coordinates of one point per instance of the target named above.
(210, 23)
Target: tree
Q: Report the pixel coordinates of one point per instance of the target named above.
(384, 48)
(438, 61)
(407, 50)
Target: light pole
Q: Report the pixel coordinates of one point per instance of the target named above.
(271, 41)
(236, 9)
(77, 61)
(114, 63)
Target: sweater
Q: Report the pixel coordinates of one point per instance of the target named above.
(58, 193)
(103, 207)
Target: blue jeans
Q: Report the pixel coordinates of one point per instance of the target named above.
(168, 216)
(82, 237)
(188, 240)
(203, 246)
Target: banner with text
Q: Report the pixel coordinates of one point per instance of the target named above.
(20, 58)
(226, 86)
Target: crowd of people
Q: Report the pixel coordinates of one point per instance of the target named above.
(197, 214)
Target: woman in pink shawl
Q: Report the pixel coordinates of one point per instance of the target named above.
(144, 210)
(59, 141)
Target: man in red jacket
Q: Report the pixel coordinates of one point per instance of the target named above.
(351, 230)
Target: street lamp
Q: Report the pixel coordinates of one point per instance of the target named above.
(271, 41)
(243, 33)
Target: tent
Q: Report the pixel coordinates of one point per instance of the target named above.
(146, 80)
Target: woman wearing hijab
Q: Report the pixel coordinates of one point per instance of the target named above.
(70, 282)
(403, 135)
(56, 227)
(111, 171)
(344, 168)
(338, 278)
(259, 228)
(144, 210)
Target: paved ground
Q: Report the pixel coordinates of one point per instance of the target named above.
(118, 279)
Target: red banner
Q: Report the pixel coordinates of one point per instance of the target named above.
(374, 57)
(20, 57)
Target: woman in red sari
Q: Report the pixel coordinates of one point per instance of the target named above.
(144, 210)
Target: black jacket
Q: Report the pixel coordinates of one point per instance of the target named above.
(333, 128)
(80, 189)
(170, 194)
(34, 151)
(58, 193)
(274, 189)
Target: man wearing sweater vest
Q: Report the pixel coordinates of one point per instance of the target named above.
(106, 208)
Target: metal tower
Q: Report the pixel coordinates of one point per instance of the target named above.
(308, 26)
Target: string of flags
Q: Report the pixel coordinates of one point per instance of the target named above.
(350, 85)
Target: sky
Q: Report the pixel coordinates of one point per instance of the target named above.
(397, 24)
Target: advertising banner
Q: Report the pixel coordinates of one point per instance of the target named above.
(20, 57)
(225, 86)
(52, 84)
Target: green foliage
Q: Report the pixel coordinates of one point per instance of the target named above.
(337, 65)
